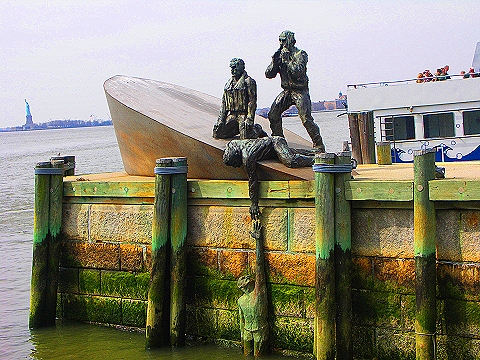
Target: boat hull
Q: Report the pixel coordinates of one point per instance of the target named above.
(153, 119)
(447, 149)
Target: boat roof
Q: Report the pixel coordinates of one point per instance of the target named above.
(407, 96)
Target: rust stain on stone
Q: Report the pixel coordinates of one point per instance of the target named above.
(461, 281)
(298, 269)
(362, 271)
(472, 221)
(202, 257)
(147, 258)
(233, 262)
(398, 271)
(131, 257)
(97, 255)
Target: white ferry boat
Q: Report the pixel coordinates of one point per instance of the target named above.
(444, 115)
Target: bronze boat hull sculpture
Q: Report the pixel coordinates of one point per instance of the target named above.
(154, 119)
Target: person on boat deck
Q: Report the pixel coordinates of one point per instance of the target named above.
(239, 103)
(428, 76)
(472, 72)
(291, 63)
(439, 75)
(445, 72)
(249, 151)
(420, 78)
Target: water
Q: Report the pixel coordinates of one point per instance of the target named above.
(96, 151)
(334, 130)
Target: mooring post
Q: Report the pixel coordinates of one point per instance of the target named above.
(178, 234)
(371, 136)
(38, 287)
(157, 323)
(324, 336)
(384, 153)
(425, 255)
(68, 164)
(54, 239)
(367, 142)
(343, 259)
(355, 137)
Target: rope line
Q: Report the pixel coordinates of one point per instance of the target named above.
(48, 171)
(332, 168)
(170, 170)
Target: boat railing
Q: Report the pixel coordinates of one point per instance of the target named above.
(414, 80)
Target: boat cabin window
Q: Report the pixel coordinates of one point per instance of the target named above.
(471, 122)
(399, 128)
(439, 125)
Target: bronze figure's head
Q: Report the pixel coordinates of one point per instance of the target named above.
(237, 67)
(287, 39)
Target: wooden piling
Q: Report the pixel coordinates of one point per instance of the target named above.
(371, 136)
(324, 336)
(355, 137)
(384, 153)
(425, 255)
(367, 142)
(68, 164)
(47, 221)
(38, 287)
(343, 262)
(54, 239)
(178, 234)
(157, 324)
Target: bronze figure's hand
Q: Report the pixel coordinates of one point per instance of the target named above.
(254, 212)
(257, 229)
(285, 55)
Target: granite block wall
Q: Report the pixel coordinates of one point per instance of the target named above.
(105, 267)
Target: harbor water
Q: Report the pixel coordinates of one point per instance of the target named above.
(96, 150)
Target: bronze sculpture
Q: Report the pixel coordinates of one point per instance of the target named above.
(291, 63)
(239, 103)
(249, 151)
(252, 305)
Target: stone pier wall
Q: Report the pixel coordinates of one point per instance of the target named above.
(105, 267)
(383, 282)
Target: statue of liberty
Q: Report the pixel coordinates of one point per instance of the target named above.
(29, 121)
(27, 108)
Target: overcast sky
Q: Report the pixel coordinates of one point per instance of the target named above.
(57, 54)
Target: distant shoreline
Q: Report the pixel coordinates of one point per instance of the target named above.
(58, 124)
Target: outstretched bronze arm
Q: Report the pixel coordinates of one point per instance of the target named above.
(260, 279)
(253, 187)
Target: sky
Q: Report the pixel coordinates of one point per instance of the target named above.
(58, 54)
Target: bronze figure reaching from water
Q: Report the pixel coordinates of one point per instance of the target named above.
(253, 304)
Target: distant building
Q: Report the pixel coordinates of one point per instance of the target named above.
(337, 104)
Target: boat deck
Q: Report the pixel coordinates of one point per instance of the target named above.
(453, 170)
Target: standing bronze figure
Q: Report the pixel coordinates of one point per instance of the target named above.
(239, 103)
(291, 63)
(253, 304)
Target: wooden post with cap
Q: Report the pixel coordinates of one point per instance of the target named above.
(384, 153)
(324, 329)
(157, 323)
(343, 260)
(178, 234)
(38, 286)
(54, 238)
(47, 221)
(425, 255)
